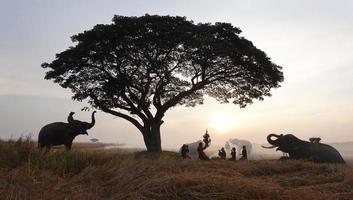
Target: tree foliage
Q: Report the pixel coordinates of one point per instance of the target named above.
(136, 63)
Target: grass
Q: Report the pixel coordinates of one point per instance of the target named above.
(102, 174)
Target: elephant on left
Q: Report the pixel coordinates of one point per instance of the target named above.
(59, 133)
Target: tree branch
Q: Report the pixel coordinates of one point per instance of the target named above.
(116, 113)
(173, 101)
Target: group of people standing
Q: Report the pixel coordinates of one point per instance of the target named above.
(221, 153)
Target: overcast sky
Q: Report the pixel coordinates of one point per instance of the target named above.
(312, 40)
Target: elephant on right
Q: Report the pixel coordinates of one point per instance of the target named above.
(299, 149)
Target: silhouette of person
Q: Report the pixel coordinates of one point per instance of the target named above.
(233, 154)
(185, 151)
(70, 118)
(315, 139)
(206, 139)
(244, 154)
(202, 154)
(222, 153)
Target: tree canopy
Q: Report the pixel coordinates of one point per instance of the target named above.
(136, 63)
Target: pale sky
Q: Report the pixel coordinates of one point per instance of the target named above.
(312, 40)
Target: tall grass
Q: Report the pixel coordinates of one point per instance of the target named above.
(24, 153)
(15, 153)
(27, 174)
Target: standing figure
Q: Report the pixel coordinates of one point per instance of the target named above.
(206, 139)
(227, 146)
(202, 154)
(244, 154)
(185, 151)
(233, 154)
(222, 153)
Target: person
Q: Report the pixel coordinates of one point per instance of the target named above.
(227, 146)
(315, 139)
(185, 151)
(233, 154)
(70, 118)
(202, 154)
(222, 153)
(206, 139)
(244, 154)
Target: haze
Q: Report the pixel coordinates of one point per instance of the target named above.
(311, 40)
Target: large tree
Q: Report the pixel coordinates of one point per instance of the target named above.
(136, 63)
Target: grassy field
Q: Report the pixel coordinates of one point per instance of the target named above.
(92, 173)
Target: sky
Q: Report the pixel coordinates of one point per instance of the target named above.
(311, 39)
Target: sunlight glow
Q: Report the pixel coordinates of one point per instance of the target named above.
(222, 122)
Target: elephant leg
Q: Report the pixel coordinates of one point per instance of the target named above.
(68, 147)
(47, 149)
(284, 158)
(313, 158)
(40, 147)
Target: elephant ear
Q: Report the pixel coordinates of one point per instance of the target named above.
(294, 147)
(77, 127)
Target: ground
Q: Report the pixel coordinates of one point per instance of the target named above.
(89, 172)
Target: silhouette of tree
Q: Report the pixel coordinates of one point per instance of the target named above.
(136, 63)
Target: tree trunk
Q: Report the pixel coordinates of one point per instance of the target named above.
(152, 138)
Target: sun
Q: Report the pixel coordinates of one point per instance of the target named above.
(221, 122)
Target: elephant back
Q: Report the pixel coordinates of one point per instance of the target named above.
(53, 133)
(53, 128)
(324, 153)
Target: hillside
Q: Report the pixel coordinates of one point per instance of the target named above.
(102, 174)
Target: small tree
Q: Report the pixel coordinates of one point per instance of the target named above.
(136, 63)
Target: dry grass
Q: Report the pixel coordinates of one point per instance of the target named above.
(98, 174)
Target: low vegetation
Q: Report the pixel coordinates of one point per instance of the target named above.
(94, 173)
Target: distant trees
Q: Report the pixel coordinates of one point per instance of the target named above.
(136, 63)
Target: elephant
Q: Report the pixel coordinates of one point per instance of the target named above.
(193, 148)
(59, 133)
(299, 149)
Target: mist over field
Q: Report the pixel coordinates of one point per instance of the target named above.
(259, 153)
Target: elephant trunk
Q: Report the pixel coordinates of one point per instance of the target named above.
(269, 140)
(93, 121)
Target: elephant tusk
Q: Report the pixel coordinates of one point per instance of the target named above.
(270, 147)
